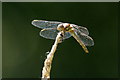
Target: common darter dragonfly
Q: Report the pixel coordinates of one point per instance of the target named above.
(50, 30)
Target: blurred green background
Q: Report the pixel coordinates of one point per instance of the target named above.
(24, 51)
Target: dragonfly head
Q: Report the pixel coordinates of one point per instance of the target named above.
(67, 27)
(64, 27)
(60, 27)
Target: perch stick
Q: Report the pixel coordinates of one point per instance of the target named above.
(48, 61)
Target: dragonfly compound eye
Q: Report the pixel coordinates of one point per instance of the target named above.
(60, 27)
(66, 25)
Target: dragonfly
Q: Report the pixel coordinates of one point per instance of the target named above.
(50, 29)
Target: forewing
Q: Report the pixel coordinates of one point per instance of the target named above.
(81, 29)
(45, 24)
(51, 33)
(87, 40)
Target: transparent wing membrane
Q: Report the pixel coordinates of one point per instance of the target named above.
(51, 33)
(87, 40)
(81, 29)
(45, 24)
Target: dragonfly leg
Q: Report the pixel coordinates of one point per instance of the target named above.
(62, 35)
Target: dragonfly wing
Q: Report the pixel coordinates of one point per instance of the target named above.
(87, 40)
(75, 35)
(51, 33)
(81, 29)
(45, 24)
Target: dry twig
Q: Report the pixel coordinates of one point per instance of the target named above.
(48, 61)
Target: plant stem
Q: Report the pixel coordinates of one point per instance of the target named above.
(47, 63)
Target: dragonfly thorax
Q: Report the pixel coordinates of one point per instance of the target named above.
(64, 27)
